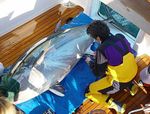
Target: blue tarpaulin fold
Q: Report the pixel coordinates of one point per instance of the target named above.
(81, 19)
(75, 84)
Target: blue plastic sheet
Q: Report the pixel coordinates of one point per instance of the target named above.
(75, 85)
(81, 19)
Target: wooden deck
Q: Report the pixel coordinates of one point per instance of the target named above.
(88, 106)
(132, 102)
(16, 42)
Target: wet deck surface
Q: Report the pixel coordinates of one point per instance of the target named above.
(16, 42)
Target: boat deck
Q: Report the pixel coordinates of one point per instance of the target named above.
(132, 102)
(16, 42)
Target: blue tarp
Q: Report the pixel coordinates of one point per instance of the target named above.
(75, 84)
(81, 19)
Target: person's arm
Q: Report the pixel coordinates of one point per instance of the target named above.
(100, 64)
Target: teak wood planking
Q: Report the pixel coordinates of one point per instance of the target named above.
(17, 41)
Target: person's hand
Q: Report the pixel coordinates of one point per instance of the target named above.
(88, 59)
(94, 46)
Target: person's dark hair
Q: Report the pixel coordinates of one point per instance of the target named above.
(98, 28)
(69, 20)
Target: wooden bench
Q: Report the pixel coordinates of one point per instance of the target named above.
(142, 62)
(16, 42)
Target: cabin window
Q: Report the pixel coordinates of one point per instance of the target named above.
(118, 20)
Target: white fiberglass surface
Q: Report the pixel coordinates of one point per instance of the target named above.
(49, 63)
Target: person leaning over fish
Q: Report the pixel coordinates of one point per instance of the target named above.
(114, 63)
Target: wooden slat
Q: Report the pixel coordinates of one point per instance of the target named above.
(89, 106)
(16, 42)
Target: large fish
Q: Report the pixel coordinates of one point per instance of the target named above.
(49, 61)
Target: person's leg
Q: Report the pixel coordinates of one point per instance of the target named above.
(103, 99)
(106, 101)
(98, 98)
(133, 88)
(101, 84)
